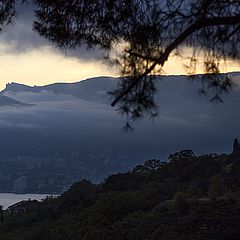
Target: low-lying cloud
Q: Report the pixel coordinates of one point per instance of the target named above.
(187, 121)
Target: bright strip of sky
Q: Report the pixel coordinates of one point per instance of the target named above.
(29, 59)
(45, 65)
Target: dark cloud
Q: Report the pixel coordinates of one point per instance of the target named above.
(20, 37)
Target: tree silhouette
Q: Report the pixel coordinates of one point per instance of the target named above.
(236, 147)
(1, 213)
(7, 12)
(145, 33)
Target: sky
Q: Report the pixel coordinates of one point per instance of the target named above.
(27, 58)
(186, 120)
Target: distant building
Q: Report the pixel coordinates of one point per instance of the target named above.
(22, 207)
(236, 147)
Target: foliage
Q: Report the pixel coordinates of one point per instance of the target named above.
(189, 197)
(180, 201)
(7, 12)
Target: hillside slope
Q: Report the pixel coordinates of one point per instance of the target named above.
(94, 89)
(7, 101)
(190, 197)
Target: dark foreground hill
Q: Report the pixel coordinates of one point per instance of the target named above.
(189, 197)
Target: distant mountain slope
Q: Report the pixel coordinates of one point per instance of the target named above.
(7, 101)
(83, 138)
(94, 89)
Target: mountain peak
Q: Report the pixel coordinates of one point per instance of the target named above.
(16, 87)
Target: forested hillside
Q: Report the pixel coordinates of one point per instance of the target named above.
(187, 197)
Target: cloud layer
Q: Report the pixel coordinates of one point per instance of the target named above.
(187, 121)
(20, 37)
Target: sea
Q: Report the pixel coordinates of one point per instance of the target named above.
(8, 199)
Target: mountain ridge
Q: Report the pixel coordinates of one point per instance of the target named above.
(21, 86)
(93, 89)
